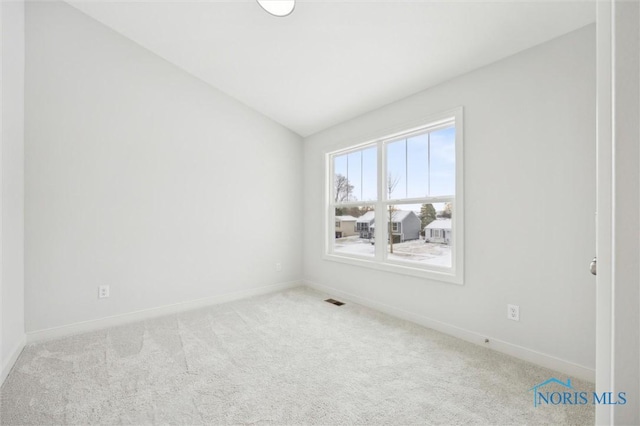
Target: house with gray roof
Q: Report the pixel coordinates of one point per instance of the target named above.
(405, 225)
(365, 223)
(345, 226)
(438, 231)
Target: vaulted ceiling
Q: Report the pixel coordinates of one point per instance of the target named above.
(333, 60)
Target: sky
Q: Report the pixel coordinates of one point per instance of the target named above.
(424, 165)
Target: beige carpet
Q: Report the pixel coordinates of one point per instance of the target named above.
(284, 358)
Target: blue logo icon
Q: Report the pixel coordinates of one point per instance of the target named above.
(546, 382)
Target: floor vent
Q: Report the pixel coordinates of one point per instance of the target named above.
(335, 302)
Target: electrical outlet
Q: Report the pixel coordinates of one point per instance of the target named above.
(278, 267)
(513, 312)
(103, 291)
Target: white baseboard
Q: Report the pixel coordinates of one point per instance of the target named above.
(102, 323)
(535, 357)
(9, 363)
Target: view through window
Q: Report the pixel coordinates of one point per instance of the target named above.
(401, 210)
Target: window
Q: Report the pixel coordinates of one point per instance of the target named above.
(405, 192)
(358, 243)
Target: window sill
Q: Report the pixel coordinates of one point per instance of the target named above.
(447, 277)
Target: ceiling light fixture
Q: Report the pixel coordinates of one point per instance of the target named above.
(280, 8)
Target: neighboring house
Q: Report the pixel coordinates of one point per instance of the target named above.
(438, 231)
(364, 225)
(405, 226)
(345, 226)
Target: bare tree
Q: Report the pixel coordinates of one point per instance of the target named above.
(447, 212)
(342, 188)
(392, 182)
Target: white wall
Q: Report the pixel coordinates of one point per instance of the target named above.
(12, 284)
(530, 203)
(144, 178)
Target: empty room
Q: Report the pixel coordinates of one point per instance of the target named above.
(320, 212)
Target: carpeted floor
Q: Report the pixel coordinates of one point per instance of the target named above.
(284, 358)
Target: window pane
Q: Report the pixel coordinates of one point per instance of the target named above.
(340, 183)
(355, 176)
(353, 233)
(396, 181)
(425, 237)
(418, 166)
(443, 162)
(369, 174)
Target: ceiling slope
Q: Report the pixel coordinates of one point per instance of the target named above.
(331, 61)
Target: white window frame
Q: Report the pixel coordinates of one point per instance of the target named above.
(380, 260)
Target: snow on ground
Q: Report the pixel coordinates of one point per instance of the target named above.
(419, 251)
(415, 250)
(354, 245)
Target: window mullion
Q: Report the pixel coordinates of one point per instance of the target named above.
(380, 231)
(429, 164)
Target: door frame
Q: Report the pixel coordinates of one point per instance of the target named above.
(604, 172)
(618, 209)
